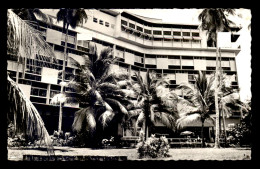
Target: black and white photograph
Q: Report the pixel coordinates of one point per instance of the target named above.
(152, 84)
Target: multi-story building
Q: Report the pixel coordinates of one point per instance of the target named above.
(175, 51)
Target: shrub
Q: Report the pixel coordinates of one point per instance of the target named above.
(153, 147)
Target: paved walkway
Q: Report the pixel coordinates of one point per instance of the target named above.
(176, 154)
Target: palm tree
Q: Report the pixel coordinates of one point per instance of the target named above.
(31, 14)
(101, 95)
(25, 41)
(195, 107)
(25, 116)
(69, 17)
(24, 46)
(30, 17)
(214, 20)
(152, 102)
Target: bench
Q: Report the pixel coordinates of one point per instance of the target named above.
(184, 142)
(128, 140)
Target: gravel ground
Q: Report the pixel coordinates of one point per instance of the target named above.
(176, 154)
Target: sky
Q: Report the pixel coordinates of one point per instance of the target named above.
(241, 18)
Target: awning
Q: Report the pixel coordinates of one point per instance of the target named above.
(196, 38)
(187, 37)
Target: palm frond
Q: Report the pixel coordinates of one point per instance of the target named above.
(25, 114)
(24, 39)
(185, 120)
(117, 106)
(134, 113)
(140, 119)
(106, 117)
(84, 115)
(165, 118)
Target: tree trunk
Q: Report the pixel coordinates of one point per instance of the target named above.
(217, 145)
(224, 127)
(202, 132)
(63, 77)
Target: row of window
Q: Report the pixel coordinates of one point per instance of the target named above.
(101, 22)
(159, 32)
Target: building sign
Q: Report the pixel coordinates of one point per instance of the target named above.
(84, 36)
(49, 75)
(224, 40)
(53, 36)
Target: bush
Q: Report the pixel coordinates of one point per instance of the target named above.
(153, 147)
(239, 135)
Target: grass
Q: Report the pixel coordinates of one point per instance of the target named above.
(176, 154)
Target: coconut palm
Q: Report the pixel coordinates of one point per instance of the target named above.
(25, 117)
(30, 17)
(195, 107)
(31, 14)
(25, 41)
(214, 20)
(152, 102)
(101, 94)
(69, 17)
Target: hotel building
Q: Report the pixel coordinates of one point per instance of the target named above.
(175, 51)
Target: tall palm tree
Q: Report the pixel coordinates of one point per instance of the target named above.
(199, 97)
(69, 17)
(152, 102)
(101, 95)
(25, 41)
(214, 20)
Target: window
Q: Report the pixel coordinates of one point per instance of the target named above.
(123, 22)
(167, 32)
(177, 33)
(195, 41)
(95, 20)
(195, 34)
(100, 22)
(106, 24)
(157, 32)
(186, 40)
(157, 39)
(139, 28)
(147, 31)
(185, 33)
(131, 25)
(177, 40)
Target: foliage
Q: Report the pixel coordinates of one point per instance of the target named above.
(102, 97)
(31, 14)
(15, 140)
(24, 40)
(153, 147)
(153, 104)
(215, 20)
(25, 117)
(108, 142)
(239, 135)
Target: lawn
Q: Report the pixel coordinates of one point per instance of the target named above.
(176, 154)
